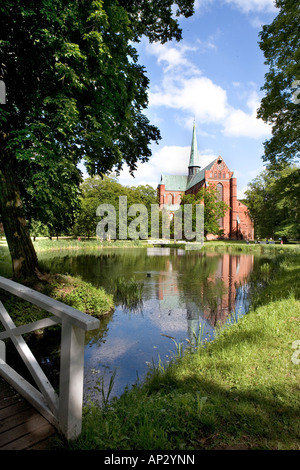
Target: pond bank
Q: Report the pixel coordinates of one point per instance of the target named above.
(45, 245)
(93, 244)
(239, 392)
(70, 290)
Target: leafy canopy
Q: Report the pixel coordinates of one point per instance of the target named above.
(75, 90)
(74, 86)
(96, 191)
(280, 43)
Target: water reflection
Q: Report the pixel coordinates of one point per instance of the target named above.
(210, 291)
(183, 291)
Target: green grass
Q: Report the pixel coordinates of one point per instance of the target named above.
(70, 290)
(45, 245)
(79, 294)
(129, 292)
(240, 391)
(236, 246)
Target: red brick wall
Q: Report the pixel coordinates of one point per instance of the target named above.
(163, 196)
(223, 176)
(246, 228)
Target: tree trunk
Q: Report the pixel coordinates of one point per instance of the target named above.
(23, 255)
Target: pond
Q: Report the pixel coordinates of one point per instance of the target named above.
(184, 292)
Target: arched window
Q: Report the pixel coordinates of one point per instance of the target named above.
(220, 198)
(170, 199)
(179, 199)
(220, 192)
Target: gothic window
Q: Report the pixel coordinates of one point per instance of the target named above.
(220, 198)
(224, 175)
(179, 199)
(220, 192)
(215, 174)
(170, 199)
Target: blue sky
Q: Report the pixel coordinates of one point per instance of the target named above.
(214, 75)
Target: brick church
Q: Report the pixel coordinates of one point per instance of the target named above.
(236, 224)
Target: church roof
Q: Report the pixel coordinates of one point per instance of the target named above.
(199, 176)
(181, 182)
(174, 182)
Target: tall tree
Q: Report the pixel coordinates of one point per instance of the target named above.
(74, 90)
(280, 42)
(273, 200)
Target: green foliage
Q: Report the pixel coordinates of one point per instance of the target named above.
(81, 295)
(129, 291)
(155, 19)
(21, 311)
(280, 43)
(72, 62)
(96, 191)
(86, 221)
(72, 291)
(273, 202)
(38, 229)
(100, 388)
(214, 209)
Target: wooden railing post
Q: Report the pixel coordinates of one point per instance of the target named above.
(71, 379)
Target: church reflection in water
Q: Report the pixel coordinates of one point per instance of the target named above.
(212, 294)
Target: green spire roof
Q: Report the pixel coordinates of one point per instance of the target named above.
(194, 157)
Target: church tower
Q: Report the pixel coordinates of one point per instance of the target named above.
(236, 223)
(194, 164)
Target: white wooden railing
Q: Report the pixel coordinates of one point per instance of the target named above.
(64, 411)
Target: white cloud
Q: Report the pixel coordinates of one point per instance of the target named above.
(200, 4)
(238, 123)
(168, 160)
(247, 6)
(172, 56)
(198, 96)
(186, 89)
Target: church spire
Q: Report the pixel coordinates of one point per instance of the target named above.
(194, 165)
